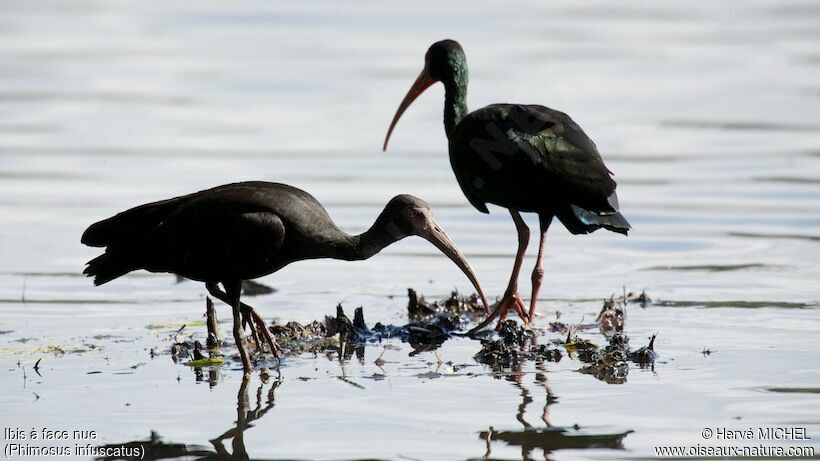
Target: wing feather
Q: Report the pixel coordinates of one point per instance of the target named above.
(529, 157)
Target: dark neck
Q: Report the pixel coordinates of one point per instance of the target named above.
(455, 101)
(363, 246)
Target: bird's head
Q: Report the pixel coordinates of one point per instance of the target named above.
(444, 62)
(406, 215)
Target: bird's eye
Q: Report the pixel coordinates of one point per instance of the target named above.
(415, 213)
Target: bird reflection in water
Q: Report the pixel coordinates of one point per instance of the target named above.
(548, 438)
(245, 416)
(229, 445)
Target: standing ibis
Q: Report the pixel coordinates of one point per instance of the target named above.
(246, 230)
(526, 158)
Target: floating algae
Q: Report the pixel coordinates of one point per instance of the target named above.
(206, 362)
(200, 360)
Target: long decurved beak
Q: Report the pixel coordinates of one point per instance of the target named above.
(422, 83)
(433, 233)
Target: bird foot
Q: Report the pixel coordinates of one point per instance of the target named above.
(510, 300)
(514, 301)
(255, 324)
(248, 323)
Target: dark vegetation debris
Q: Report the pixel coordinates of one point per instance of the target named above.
(581, 347)
(197, 353)
(455, 307)
(646, 354)
(514, 345)
(642, 299)
(429, 325)
(348, 331)
(609, 364)
(612, 317)
(214, 340)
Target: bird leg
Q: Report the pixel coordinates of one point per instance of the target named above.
(249, 318)
(245, 312)
(511, 297)
(538, 270)
(233, 291)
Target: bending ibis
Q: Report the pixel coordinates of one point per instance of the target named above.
(246, 230)
(525, 158)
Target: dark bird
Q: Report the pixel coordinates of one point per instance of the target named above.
(246, 230)
(526, 158)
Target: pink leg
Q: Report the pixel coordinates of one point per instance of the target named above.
(538, 271)
(511, 297)
(511, 294)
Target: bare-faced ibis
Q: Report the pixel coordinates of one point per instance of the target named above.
(522, 157)
(246, 230)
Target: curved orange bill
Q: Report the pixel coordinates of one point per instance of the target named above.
(422, 83)
(436, 235)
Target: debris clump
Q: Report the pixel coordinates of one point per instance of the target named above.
(455, 307)
(584, 348)
(609, 364)
(642, 299)
(612, 317)
(504, 352)
(646, 354)
(513, 346)
(430, 324)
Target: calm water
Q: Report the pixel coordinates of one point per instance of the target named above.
(709, 115)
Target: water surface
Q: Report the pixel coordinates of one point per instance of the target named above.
(707, 113)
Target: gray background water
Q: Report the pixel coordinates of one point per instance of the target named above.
(706, 111)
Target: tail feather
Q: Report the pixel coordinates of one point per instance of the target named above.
(97, 235)
(581, 221)
(128, 223)
(105, 268)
